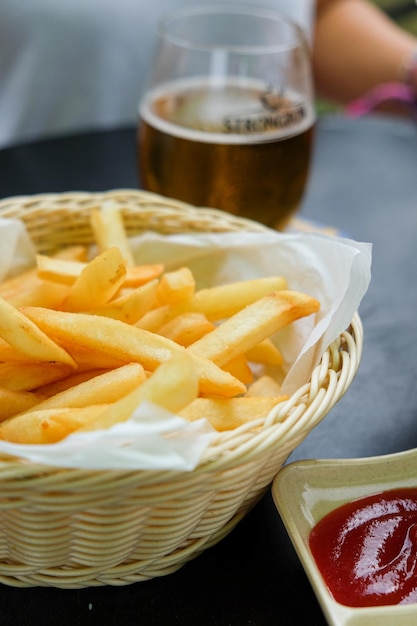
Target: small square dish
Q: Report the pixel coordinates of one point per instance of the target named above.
(305, 491)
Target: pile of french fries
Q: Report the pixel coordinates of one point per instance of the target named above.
(83, 342)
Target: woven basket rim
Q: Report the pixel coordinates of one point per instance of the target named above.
(145, 199)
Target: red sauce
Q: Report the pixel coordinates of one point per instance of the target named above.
(366, 550)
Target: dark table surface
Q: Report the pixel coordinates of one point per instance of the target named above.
(364, 182)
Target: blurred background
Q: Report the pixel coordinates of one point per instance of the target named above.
(402, 11)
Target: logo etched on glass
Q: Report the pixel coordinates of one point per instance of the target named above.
(274, 111)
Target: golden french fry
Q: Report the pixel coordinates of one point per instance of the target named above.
(229, 413)
(130, 344)
(97, 283)
(74, 252)
(239, 367)
(57, 270)
(156, 318)
(173, 385)
(49, 425)
(108, 387)
(87, 359)
(109, 230)
(176, 286)
(29, 290)
(42, 293)
(75, 378)
(264, 386)
(131, 306)
(114, 332)
(25, 336)
(66, 272)
(138, 275)
(187, 328)
(265, 352)
(29, 376)
(22, 289)
(17, 283)
(223, 301)
(253, 324)
(10, 354)
(13, 402)
(216, 303)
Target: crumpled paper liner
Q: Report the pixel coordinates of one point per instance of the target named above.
(334, 270)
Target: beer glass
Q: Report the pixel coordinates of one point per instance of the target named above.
(228, 114)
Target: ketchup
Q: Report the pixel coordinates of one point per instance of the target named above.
(366, 550)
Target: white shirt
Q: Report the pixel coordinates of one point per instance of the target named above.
(80, 65)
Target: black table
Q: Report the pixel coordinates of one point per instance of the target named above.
(364, 182)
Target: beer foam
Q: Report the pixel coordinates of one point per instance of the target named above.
(245, 111)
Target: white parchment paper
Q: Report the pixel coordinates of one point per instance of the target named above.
(335, 270)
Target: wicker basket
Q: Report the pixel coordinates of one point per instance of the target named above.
(72, 528)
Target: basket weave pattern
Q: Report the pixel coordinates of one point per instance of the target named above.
(73, 528)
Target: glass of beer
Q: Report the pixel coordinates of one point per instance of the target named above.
(227, 118)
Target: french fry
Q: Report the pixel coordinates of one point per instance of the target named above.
(37, 292)
(265, 352)
(264, 386)
(131, 306)
(30, 376)
(71, 380)
(239, 367)
(138, 275)
(25, 336)
(84, 342)
(13, 402)
(49, 425)
(75, 252)
(97, 283)
(176, 286)
(173, 386)
(10, 354)
(157, 318)
(130, 344)
(66, 272)
(109, 230)
(216, 303)
(187, 328)
(88, 360)
(23, 287)
(108, 386)
(27, 288)
(253, 324)
(227, 414)
(223, 301)
(61, 271)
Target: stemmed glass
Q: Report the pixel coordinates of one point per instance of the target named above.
(228, 113)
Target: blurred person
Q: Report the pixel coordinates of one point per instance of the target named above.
(77, 66)
(361, 58)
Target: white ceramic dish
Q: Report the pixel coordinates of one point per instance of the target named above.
(304, 491)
